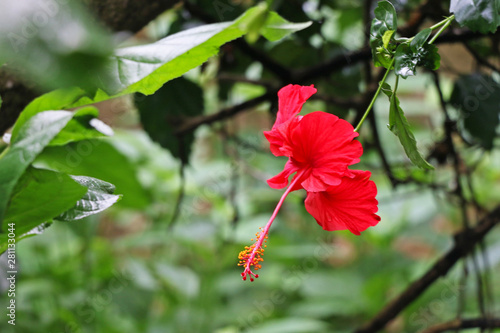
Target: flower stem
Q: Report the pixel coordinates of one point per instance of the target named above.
(395, 87)
(375, 96)
(446, 22)
(278, 206)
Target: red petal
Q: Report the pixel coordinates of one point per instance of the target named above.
(278, 137)
(276, 141)
(324, 144)
(351, 205)
(290, 101)
(281, 179)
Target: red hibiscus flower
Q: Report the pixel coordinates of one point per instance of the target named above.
(320, 147)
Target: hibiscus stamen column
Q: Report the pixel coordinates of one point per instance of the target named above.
(251, 256)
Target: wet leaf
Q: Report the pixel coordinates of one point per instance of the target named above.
(99, 197)
(408, 57)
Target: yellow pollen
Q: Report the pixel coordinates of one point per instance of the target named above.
(252, 256)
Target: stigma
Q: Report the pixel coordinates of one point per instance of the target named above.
(251, 256)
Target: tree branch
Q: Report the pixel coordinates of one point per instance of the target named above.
(464, 324)
(190, 124)
(465, 241)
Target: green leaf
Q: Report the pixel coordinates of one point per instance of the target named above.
(256, 21)
(398, 124)
(54, 43)
(60, 99)
(408, 57)
(477, 97)
(146, 68)
(477, 15)
(382, 31)
(39, 196)
(98, 158)
(162, 112)
(387, 37)
(419, 40)
(276, 27)
(32, 138)
(83, 126)
(99, 197)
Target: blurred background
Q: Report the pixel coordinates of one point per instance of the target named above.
(164, 259)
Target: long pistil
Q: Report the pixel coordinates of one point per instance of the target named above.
(252, 255)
